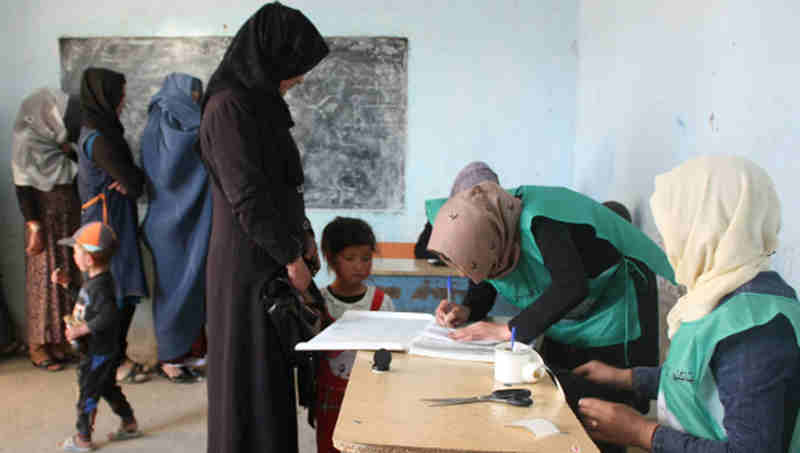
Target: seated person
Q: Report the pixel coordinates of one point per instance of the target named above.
(730, 380)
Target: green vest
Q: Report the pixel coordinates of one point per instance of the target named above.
(612, 317)
(688, 398)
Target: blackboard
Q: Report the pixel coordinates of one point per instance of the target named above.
(350, 113)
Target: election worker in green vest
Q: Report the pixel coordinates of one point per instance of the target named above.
(731, 380)
(567, 261)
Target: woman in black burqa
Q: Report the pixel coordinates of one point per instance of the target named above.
(258, 229)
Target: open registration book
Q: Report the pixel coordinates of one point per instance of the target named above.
(416, 333)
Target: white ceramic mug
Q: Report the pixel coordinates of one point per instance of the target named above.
(522, 365)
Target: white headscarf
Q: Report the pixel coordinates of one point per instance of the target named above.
(36, 156)
(719, 217)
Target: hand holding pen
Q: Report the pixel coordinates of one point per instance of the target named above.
(449, 313)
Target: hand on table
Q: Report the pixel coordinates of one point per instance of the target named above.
(616, 423)
(482, 331)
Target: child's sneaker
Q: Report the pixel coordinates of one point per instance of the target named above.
(70, 444)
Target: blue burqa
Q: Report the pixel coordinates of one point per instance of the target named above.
(178, 222)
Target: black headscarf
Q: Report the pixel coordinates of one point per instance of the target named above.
(101, 93)
(275, 44)
(619, 208)
(72, 119)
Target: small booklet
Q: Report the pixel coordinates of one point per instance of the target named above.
(434, 341)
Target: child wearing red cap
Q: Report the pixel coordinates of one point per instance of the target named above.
(97, 326)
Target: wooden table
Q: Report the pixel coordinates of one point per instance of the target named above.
(418, 286)
(381, 413)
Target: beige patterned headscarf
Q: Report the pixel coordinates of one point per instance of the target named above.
(39, 130)
(477, 232)
(719, 217)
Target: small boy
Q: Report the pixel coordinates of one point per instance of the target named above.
(96, 324)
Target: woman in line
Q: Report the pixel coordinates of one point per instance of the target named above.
(109, 184)
(730, 380)
(44, 176)
(259, 229)
(177, 225)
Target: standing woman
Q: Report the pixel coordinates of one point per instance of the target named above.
(109, 184)
(178, 223)
(44, 176)
(258, 228)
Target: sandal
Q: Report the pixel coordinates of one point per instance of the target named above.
(186, 375)
(49, 365)
(122, 434)
(69, 444)
(136, 375)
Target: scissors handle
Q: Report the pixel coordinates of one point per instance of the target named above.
(501, 395)
(511, 393)
(521, 402)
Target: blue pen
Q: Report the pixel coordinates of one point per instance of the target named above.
(449, 289)
(513, 334)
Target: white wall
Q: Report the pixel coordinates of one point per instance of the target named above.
(494, 81)
(659, 82)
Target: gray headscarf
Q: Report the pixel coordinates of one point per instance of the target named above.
(472, 175)
(39, 131)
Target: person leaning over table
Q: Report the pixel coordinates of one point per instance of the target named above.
(562, 257)
(730, 381)
(473, 173)
(566, 260)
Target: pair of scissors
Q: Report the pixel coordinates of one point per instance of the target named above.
(514, 397)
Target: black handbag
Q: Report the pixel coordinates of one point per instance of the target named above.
(293, 322)
(291, 318)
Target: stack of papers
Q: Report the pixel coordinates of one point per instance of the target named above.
(416, 333)
(434, 341)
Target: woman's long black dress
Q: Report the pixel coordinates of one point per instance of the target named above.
(257, 229)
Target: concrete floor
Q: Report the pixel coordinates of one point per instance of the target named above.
(39, 412)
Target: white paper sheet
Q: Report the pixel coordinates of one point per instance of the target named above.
(370, 330)
(435, 342)
(416, 333)
(540, 427)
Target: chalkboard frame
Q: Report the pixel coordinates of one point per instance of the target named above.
(350, 113)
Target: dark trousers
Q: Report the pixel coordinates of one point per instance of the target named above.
(641, 352)
(97, 378)
(125, 319)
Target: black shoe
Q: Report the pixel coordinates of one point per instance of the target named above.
(186, 376)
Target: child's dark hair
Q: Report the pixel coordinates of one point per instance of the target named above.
(103, 257)
(344, 232)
